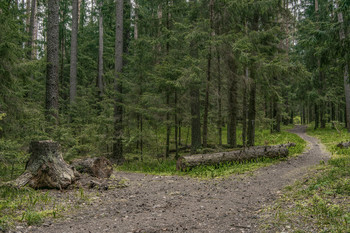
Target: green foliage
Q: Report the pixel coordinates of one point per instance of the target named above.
(12, 159)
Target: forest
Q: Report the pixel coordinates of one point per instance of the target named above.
(144, 83)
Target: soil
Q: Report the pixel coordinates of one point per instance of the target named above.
(153, 203)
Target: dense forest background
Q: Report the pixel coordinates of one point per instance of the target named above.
(150, 78)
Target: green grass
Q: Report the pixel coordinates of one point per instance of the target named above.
(25, 205)
(151, 165)
(321, 203)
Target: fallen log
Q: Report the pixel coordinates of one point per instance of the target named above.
(190, 161)
(344, 145)
(46, 168)
(99, 167)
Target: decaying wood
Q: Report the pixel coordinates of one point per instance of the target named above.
(250, 153)
(344, 145)
(99, 167)
(46, 168)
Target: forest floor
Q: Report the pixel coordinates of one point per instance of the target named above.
(152, 203)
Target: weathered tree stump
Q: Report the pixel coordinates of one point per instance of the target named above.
(46, 168)
(99, 167)
(190, 161)
(344, 145)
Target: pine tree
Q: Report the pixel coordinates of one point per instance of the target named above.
(52, 61)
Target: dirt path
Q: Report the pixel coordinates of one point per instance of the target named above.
(179, 204)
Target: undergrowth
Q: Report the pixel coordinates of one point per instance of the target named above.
(24, 205)
(29, 207)
(161, 166)
(320, 203)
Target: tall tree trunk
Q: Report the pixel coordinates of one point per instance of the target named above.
(244, 109)
(317, 117)
(118, 108)
(219, 101)
(74, 53)
(276, 115)
(206, 104)
(232, 101)
(140, 115)
(180, 129)
(168, 126)
(168, 129)
(252, 94)
(28, 6)
(92, 12)
(195, 119)
(100, 50)
(251, 115)
(332, 111)
(52, 61)
(176, 127)
(136, 26)
(81, 14)
(346, 70)
(194, 95)
(62, 43)
(32, 30)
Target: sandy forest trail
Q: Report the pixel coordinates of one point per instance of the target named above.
(181, 204)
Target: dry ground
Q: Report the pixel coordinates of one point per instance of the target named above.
(181, 204)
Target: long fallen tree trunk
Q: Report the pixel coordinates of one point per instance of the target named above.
(190, 161)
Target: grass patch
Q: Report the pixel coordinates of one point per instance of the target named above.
(25, 205)
(152, 165)
(321, 203)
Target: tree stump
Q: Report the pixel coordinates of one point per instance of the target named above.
(190, 161)
(46, 168)
(99, 167)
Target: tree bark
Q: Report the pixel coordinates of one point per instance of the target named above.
(100, 50)
(168, 126)
(62, 42)
(317, 117)
(74, 53)
(118, 108)
(195, 120)
(168, 129)
(99, 167)
(176, 127)
(190, 161)
(252, 94)
(346, 70)
(206, 104)
(32, 28)
(28, 6)
(244, 109)
(232, 101)
(52, 78)
(251, 115)
(276, 115)
(194, 96)
(46, 168)
(219, 100)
